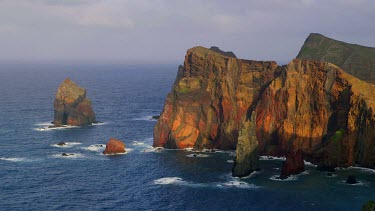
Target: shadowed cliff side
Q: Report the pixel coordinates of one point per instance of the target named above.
(356, 60)
(318, 109)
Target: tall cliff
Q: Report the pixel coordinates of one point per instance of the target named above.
(210, 97)
(310, 107)
(356, 60)
(71, 106)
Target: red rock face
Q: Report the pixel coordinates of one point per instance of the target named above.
(71, 106)
(210, 96)
(261, 108)
(294, 164)
(114, 146)
(317, 108)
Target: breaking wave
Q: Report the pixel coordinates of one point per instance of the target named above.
(66, 144)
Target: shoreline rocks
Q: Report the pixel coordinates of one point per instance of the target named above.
(351, 180)
(293, 165)
(114, 146)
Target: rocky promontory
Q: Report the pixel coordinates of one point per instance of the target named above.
(259, 108)
(71, 106)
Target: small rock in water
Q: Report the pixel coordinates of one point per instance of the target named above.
(66, 154)
(195, 155)
(212, 150)
(114, 146)
(155, 117)
(330, 174)
(61, 143)
(351, 180)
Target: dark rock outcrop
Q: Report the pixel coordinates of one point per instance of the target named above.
(356, 60)
(294, 164)
(71, 106)
(351, 180)
(225, 53)
(66, 154)
(260, 108)
(61, 144)
(114, 146)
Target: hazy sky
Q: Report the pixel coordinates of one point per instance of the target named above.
(162, 31)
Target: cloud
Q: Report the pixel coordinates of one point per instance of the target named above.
(162, 30)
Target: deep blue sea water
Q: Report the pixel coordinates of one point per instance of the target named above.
(34, 175)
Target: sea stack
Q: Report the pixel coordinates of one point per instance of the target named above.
(114, 146)
(71, 106)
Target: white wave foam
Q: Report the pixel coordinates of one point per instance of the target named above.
(197, 155)
(179, 181)
(67, 144)
(154, 149)
(211, 150)
(70, 155)
(238, 184)
(168, 181)
(44, 124)
(290, 178)
(146, 118)
(47, 128)
(13, 159)
(305, 173)
(359, 183)
(127, 150)
(230, 161)
(362, 169)
(272, 158)
(138, 143)
(95, 147)
(99, 123)
(309, 164)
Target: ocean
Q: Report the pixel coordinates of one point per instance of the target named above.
(34, 175)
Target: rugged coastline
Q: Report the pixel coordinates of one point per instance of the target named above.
(259, 108)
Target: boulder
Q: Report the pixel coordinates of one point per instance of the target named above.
(71, 106)
(351, 180)
(114, 146)
(294, 164)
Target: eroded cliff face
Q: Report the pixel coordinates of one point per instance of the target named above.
(318, 109)
(71, 106)
(211, 96)
(260, 108)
